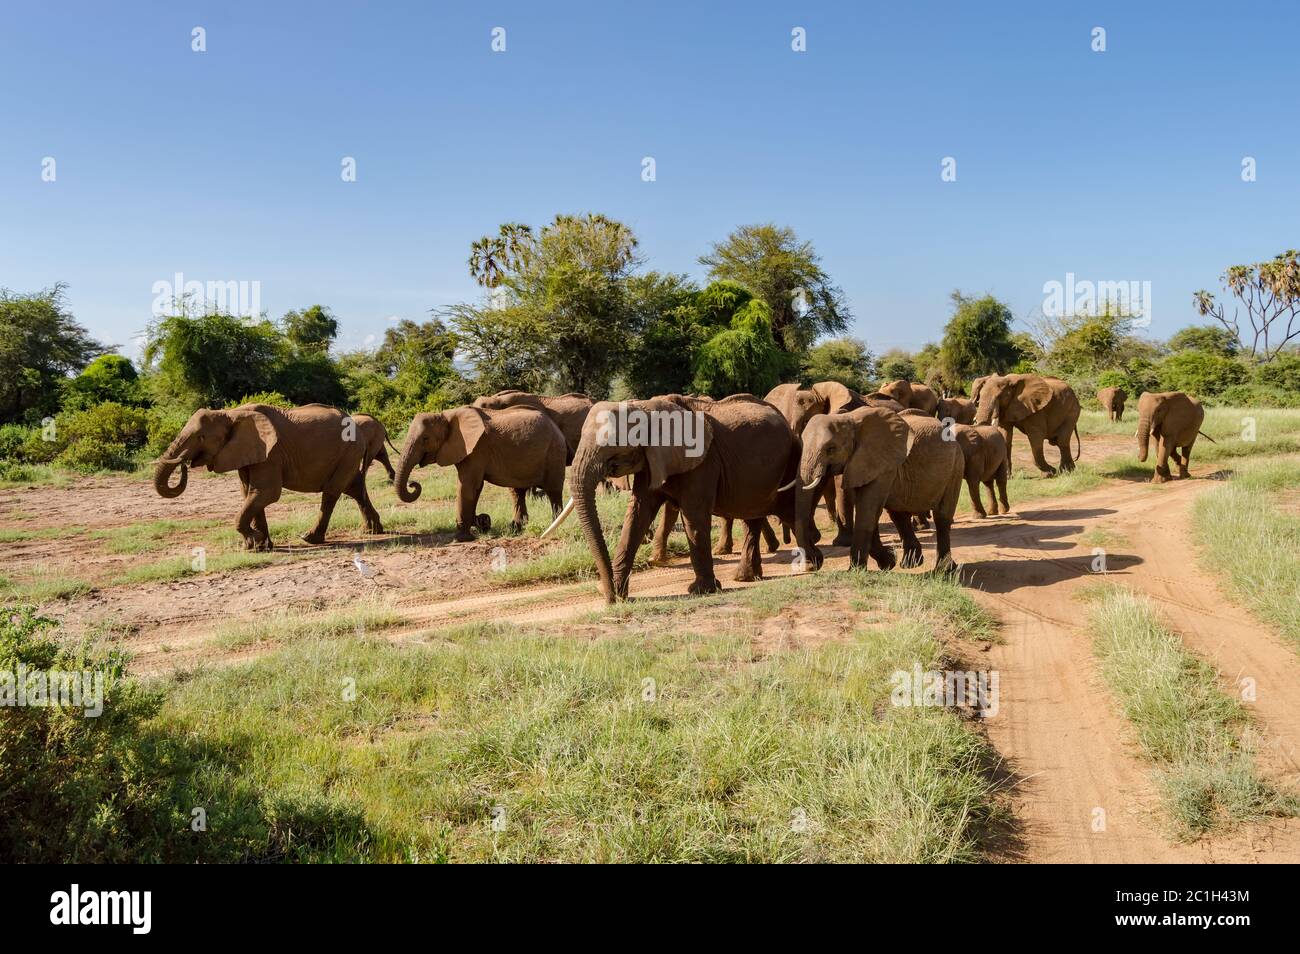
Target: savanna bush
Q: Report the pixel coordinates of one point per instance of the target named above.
(1200, 373)
(75, 788)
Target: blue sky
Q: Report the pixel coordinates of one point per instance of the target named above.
(225, 165)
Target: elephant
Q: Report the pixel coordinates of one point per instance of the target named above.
(912, 395)
(1112, 402)
(798, 406)
(567, 411)
(518, 447)
(1174, 420)
(985, 452)
(897, 462)
(733, 458)
(960, 410)
(976, 386)
(310, 449)
(1044, 408)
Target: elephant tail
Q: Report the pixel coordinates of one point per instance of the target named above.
(1078, 440)
(1207, 437)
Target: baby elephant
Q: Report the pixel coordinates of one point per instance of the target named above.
(311, 449)
(985, 450)
(1112, 402)
(518, 447)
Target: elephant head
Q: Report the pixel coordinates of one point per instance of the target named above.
(976, 386)
(658, 438)
(861, 446)
(1007, 399)
(219, 440)
(445, 438)
(1152, 408)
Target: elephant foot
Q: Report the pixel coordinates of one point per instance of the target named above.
(843, 539)
(746, 576)
(483, 522)
(724, 549)
(313, 537)
(1159, 479)
(946, 566)
(773, 546)
(885, 559)
(982, 514)
(264, 546)
(704, 587)
(374, 528)
(912, 558)
(515, 526)
(463, 536)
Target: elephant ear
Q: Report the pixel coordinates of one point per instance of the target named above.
(665, 462)
(883, 440)
(466, 426)
(252, 435)
(1028, 396)
(838, 397)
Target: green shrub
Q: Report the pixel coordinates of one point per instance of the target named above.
(1257, 395)
(104, 437)
(1114, 379)
(273, 398)
(76, 788)
(1282, 373)
(1200, 373)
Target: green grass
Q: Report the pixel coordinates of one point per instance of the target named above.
(1252, 544)
(178, 568)
(49, 533)
(42, 586)
(725, 764)
(1188, 728)
(156, 535)
(288, 626)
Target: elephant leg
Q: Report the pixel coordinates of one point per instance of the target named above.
(252, 518)
(1007, 432)
(316, 535)
(843, 516)
(641, 511)
(520, 497)
(468, 489)
(912, 555)
(1162, 462)
(659, 552)
(943, 545)
(699, 524)
(369, 515)
(1000, 478)
(260, 525)
(769, 536)
(869, 500)
(751, 562)
(1036, 447)
(1183, 472)
(725, 542)
(883, 555)
(973, 486)
(1062, 443)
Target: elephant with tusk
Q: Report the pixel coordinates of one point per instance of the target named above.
(517, 447)
(727, 457)
(310, 449)
(886, 461)
(1174, 419)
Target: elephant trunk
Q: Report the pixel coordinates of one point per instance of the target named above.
(178, 454)
(1144, 435)
(408, 491)
(806, 494)
(162, 475)
(586, 473)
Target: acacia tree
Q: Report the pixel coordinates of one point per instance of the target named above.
(977, 339)
(1269, 293)
(785, 273)
(559, 307)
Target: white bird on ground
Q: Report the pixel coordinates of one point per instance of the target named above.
(365, 569)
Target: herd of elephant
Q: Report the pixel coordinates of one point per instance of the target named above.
(902, 450)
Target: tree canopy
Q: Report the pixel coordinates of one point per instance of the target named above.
(40, 345)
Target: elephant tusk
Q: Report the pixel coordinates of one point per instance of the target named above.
(813, 485)
(781, 490)
(568, 509)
